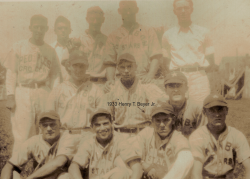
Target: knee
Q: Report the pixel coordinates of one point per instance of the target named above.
(64, 176)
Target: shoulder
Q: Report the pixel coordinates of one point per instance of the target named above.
(238, 135)
(20, 44)
(200, 29)
(199, 135)
(96, 88)
(178, 138)
(170, 31)
(48, 47)
(87, 143)
(146, 132)
(53, 44)
(33, 141)
(115, 33)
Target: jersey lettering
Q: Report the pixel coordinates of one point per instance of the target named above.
(228, 146)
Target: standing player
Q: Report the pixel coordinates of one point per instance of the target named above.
(105, 152)
(32, 71)
(188, 113)
(216, 146)
(131, 100)
(133, 38)
(62, 30)
(188, 48)
(40, 147)
(165, 152)
(93, 42)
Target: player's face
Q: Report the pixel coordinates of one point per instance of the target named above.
(102, 127)
(78, 71)
(163, 124)
(50, 129)
(38, 29)
(176, 91)
(217, 116)
(95, 21)
(128, 11)
(183, 10)
(127, 70)
(62, 30)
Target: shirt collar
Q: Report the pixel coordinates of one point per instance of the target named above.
(133, 85)
(221, 137)
(190, 28)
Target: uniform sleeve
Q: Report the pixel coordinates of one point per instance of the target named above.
(153, 44)
(180, 142)
(55, 71)
(110, 53)
(51, 103)
(196, 145)
(242, 147)
(83, 154)
(208, 44)
(11, 60)
(23, 155)
(166, 47)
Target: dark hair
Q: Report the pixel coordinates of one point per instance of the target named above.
(172, 115)
(123, 60)
(38, 17)
(63, 20)
(101, 114)
(123, 2)
(190, 2)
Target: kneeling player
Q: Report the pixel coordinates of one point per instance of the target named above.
(165, 151)
(216, 145)
(41, 148)
(105, 152)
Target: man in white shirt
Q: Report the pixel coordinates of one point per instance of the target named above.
(188, 49)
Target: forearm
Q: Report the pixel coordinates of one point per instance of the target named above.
(110, 72)
(74, 171)
(7, 171)
(182, 165)
(154, 66)
(10, 82)
(136, 168)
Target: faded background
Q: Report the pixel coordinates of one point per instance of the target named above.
(228, 20)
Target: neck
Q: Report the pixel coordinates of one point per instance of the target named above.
(178, 105)
(36, 42)
(52, 141)
(78, 82)
(164, 137)
(128, 83)
(216, 131)
(129, 24)
(104, 143)
(185, 24)
(63, 41)
(94, 31)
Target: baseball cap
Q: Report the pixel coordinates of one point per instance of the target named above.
(214, 100)
(99, 111)
(175, 77)
(126, 56)
(49, 114)
(78, 56)
(167, 109)
(95, 9)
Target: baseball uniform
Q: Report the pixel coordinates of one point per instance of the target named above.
(62, 54)
(139, 41)
(79, 108)
(103, 159)
(218, 156)
(188, 50)
(31, 68)
(94, 48)
(132, 106)
(161, 154)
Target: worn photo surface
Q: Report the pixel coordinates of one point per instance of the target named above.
(125, 89)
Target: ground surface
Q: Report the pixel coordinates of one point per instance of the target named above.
(238, 117)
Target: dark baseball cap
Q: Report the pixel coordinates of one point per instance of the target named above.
(77, 56)
(126, 56)
(175, 77)
(53, 115)
(214, 100)
(99, 111)
(167, 109)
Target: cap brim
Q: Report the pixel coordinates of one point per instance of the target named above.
(48, 116)
(215, 103)
(79, 61)
(175, 81)
(160, 111)
(101, 112)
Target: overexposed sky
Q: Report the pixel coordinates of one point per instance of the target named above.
(228, 20)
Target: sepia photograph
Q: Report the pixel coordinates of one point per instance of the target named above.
(125, 89)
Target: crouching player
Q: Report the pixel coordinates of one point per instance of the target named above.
(165, 152)
(106, 153)
(216, 145)
(41, 148)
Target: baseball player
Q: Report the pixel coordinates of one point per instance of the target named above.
(62, 29)
(93, 42)
(133, 38)
(130, 100)
(165, 152)
(216, 146)
(188, 48)
(40, 148)
(32, 71)
(106, 152)
(188, 112)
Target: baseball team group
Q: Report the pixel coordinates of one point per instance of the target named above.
(135, 104)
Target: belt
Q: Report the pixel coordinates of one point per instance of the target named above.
(189, 69)
(97, 79)
(33, 85)
(77, 130)
(128, 130)
(216, 177)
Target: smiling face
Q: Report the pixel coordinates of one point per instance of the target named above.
(216, 116)
(102, 127)
(176, 92)
(77, 71)
(183, 10)
(50, 129)
(38, 29)
(163, 124)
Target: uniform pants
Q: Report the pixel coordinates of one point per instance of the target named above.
(29, 102)
(198, 85)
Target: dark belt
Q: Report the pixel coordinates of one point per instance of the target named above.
(76, 130)
(97, 79)
(128, 130)
(33, 85)
(189, 69)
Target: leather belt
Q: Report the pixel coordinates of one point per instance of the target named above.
(189, 69)
(216, 177)
(77, 130)
(97, 79)
(33, 85)
(128, 130)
